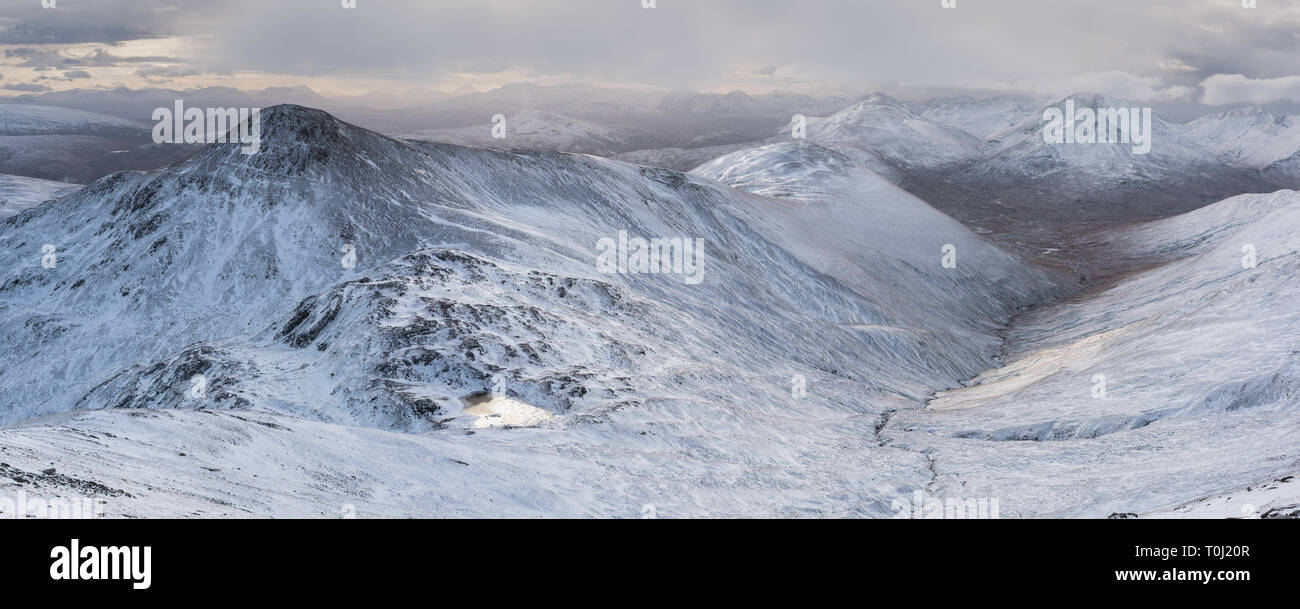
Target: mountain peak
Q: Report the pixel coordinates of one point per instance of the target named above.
(876, 104)
(1093, 100)
(289, 122)
(294, 138)
(879, 98)
(1249, 112)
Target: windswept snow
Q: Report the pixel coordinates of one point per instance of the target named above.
(18, 193)
(1275, 499)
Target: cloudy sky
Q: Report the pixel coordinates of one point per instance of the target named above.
(1208, 51)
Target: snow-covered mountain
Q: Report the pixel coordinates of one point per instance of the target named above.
(1013, 183)
(881, 133)
(206, 345)
(1251, 137)
(981, 117)
(438, 196)
(218, 242)
(18, 193)
(1023, 152)
(1038, 196)
(476, 263)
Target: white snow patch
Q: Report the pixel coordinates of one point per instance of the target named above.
(502, 411)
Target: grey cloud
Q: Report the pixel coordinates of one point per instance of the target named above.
(1228, 89)
(35, 58)
(1155, 47)
(27, 34)
(28, 87)
(164, 74)
(82, 22)
(991, 42)
(102, 58)
(58, 58)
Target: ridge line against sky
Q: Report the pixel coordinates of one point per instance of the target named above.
(1211, 52)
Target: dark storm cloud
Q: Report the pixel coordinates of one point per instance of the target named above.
(98, 21)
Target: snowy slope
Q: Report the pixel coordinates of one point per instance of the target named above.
(680, 159)
(1201, 359)
(1268, 500)
(1285, 171)
(18, 193)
